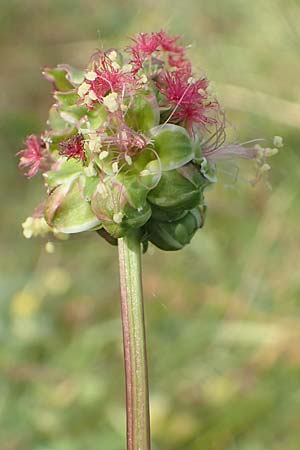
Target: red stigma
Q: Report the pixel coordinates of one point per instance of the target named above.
(73, 148)
(31, 156)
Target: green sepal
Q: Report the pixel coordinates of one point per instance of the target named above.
(67, 172)
(143, 113)
(73, 114)
(175, 235)
(68, 98)
(173, 146)
(97, 116)
(58, 76)
(75, 76)
(198, 153)
(56, 122)
(59, 130)
(89, 185)
(208, 170)
(167, 214)
(64, 77)
(68, 212)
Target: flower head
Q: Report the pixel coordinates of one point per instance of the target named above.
(31, 156)
(189, 97)
(157, 46)
(73, 147)
(141, 135)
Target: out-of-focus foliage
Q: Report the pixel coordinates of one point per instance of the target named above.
(222, 315)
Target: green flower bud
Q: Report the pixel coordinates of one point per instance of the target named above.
(176, 234)
(179, 188)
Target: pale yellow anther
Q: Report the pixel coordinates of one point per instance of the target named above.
(115, 65)
(92, 95)
(201, 91)
(265, 167)
(271, 151)
(128, 159)
(123, 107)
(118, 217)
(83, 89)
(49, 247)
(113, 55)
(110, 102)
(191, 80)
(35, 227)
(127, 68)
(278, 141)
(87, 100)
(115, 167)
(103, 155)
(143, 79)
(91, 76)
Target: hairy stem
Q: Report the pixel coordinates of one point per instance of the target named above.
(134, 342)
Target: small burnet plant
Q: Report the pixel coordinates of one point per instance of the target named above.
(131, 144)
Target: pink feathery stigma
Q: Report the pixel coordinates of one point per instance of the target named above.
(154, 44)
(31, 156)
(189, 98)
(73, 148)
(110, 79)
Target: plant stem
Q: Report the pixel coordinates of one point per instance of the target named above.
(134, 342)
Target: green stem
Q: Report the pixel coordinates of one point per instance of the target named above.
(134, 342)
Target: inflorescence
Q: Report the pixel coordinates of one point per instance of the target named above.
(131, 143)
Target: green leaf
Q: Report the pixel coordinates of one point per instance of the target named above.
(173, 146)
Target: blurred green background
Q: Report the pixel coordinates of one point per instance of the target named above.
(223, 316)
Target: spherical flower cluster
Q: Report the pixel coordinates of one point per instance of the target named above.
(131, 143)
